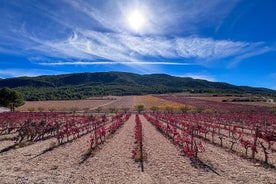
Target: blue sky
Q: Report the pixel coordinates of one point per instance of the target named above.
(218, 40)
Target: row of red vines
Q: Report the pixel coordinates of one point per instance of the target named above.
(10, 122)
(254, 131)
(216, 106)
(185, 138)
(64, 126)
(103, 130)
(138, 152)
(75, 127)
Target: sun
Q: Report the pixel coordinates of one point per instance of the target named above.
(136, 20)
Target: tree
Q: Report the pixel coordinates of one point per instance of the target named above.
(140, 108)
(10, 98)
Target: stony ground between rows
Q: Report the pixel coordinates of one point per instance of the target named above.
(113, 164)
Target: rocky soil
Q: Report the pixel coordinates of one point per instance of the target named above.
(112, 163)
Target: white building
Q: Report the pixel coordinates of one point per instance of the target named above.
(269, 100)
(4, 109)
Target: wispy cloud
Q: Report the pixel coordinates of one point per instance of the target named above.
(163, 17)
(98, 32)
(250, 53)
(59, 63)
(130, 49)
(200, 76)
(15, 72)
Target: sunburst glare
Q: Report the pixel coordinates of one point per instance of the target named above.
(136, 20)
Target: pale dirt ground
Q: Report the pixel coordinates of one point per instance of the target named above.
(113, 163)
(80, 105)
(113, 102)
(64, 105)
(122, 102)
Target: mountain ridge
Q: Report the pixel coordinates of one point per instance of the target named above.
(83, 85)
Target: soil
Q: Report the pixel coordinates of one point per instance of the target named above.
(80, 105)
(112, 163)
(64, 105)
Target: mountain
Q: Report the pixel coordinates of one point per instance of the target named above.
(83, 85)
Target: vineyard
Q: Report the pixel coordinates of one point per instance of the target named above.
(254, 132)
(179, 141)
(214, 106)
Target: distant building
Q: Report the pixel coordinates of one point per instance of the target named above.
(269, 100)
(4, 109)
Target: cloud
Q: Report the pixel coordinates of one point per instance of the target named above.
(200, 76)
(162, 17)
(109, 15)
(15, 72)
(208, 48)
(251, 53)
(92, 32)
(131, 49)
(59, 63)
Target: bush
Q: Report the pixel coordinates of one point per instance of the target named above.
(140, 108)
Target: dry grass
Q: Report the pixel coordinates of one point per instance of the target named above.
(161, 104)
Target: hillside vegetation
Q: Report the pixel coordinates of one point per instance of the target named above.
(83, 85)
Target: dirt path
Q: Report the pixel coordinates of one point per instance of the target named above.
(113, 164)
(122, 102)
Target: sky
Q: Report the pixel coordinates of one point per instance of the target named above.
(216, 40)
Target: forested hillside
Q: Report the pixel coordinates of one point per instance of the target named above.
(83, 85)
